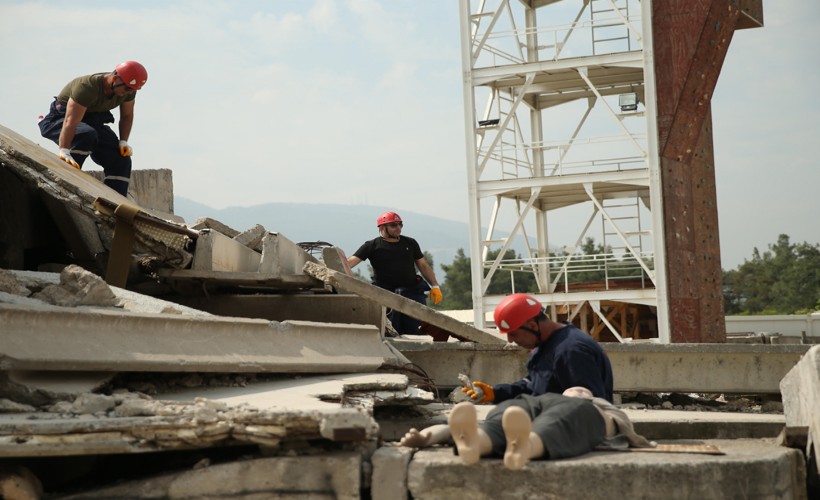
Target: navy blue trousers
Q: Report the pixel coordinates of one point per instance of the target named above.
(93, 138)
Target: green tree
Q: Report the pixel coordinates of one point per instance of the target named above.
(785, 279)
(457, 286)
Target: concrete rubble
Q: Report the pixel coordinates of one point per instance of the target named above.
(238, 364)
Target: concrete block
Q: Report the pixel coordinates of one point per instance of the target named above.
(335, 259)
(322, 308)
(444, 361)
(331, 475)
(389, 480)
(800, 389)
(749, 469)
(711, 368)
(281, 256)
(715, 368)
(208, 223)
(252, 238)
(152, 189)
(217, 252)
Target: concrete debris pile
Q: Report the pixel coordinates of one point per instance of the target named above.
(216, 363)
(72, 347)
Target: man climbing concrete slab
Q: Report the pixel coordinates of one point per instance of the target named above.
(394, 258)
(78, 117)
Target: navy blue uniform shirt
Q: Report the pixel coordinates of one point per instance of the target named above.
(567, 359)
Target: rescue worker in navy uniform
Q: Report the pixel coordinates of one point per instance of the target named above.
(562, 355)
(394, 259)
(78, 118)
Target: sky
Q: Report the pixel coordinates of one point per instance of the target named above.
(360, 102)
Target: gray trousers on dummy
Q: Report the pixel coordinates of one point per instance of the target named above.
(567, 426)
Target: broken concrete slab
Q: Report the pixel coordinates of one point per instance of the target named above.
(33, 281)
(320, 392)
(252, 238)
(716, 368)
(749, 469)
(334, 258)
(217, 252)
(334, 408)
(329, 475)
(685, 368)
(444, 361)
(800, 389)
(320, 307)
(399, 303)
(280, 256)
(150, 188)
(41, 387)
(69, 195)
(209, 223)
(389, 480)
(56, 338)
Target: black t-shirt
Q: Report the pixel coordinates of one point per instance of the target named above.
(394, 264)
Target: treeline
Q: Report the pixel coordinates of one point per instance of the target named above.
(785, 279)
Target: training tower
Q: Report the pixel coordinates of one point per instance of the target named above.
(592, 119)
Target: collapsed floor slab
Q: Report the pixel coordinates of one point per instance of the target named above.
(55, 338)
(749, 469)
(333, 408)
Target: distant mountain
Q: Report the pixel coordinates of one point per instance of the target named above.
(345, 226)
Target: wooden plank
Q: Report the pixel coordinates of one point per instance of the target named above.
(399, 303)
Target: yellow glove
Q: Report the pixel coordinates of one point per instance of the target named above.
(125, 149)
(65, 155)
(481, 393)
(435, 295)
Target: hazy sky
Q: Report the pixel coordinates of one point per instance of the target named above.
(360, 102)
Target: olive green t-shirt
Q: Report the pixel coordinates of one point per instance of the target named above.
(88, 91)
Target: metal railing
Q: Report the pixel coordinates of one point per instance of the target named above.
(581, 272)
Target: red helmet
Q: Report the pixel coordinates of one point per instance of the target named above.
(132, 74)
(514, 310)
(387, 218)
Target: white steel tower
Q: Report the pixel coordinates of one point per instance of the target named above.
(563, 161)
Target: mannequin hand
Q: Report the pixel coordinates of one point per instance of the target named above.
(125, 149)
(65, 155)
(481, 393)
(435, 294)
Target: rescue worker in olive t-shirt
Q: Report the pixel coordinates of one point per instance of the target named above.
(78, 117)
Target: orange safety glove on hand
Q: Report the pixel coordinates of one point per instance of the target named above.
(435, 295)
(65, 155)
(125, 149)
(480, 393)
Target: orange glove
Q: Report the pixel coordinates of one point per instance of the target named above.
(65, 155)
(481, 393)
(125, 149)
(435, 294)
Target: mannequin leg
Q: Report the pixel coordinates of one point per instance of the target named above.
(522, 443)
(472, 442)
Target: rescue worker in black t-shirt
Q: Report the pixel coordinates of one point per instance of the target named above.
(78, 118)
(394, 259)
